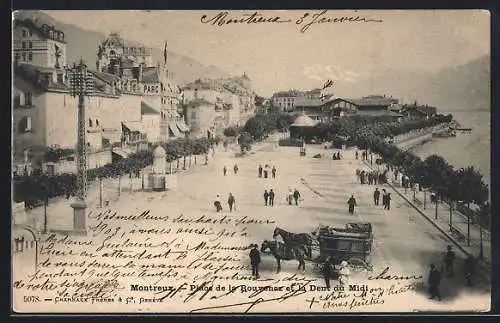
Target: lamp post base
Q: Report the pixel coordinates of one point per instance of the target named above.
(79, 218)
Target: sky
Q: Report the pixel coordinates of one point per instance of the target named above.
(279, 56)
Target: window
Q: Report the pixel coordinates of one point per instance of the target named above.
(30, 56)
(28, 99)
(30, 33)
(24, 45)
(60, 78)
(193, 114)
(97, 123)
(24, 56)
(25, 33)
(90, 122)
(25, 125)
(30, 44)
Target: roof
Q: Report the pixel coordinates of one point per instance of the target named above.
(44, 30)
(305, 102)
(304, 121)
(146, 109)
(106, 77)
(198, 102)
(134, 126)
(372, 101)
(150, 75)
(33, 74)
(289, 93)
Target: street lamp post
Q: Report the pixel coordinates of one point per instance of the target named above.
(81, 84)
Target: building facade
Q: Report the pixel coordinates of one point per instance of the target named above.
(231, 99)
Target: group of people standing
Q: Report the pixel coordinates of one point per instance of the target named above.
(235, 169)
(337, 156)
(386, 198)
(231, 202)
(371, 178)
(434, 279)
(264, 172)
(364, 155)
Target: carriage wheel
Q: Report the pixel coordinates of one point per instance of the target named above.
(359, 265)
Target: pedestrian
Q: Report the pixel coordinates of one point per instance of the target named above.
(449, 257)
(362, 176)
(384, 198)
(327, 271)
(266, 197)
(217, 204)
(434, 281)
(370, 178)
(296, 196)
(375, 178)
(230, 202)
(358, 174)
(352, 203)
(388, 201)
(469, 269)
(356, 154)
(376, 196)
(235, 168)
(271, 197)
(255, 261)
(344, 273)
(273, 171)
(224, 170)
(260, 170)
(289, 196)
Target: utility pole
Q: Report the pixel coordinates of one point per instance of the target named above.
(100, 191)
(451, 213)
(436, 202)
(81, 84)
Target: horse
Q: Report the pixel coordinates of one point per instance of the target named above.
(295, 240)
(280, 251)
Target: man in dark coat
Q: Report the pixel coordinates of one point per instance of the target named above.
(384, 198)
(273, 171)
(231, 201)
(376, 196)
(271, 197)
(449, 257)
(260, 170)
(327, 271)
(387, 201)
(266, 197)
(255, 261)
(296, 196)
(469, 270)
(352, 203)
(434, 281)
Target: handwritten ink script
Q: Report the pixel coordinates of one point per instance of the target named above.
(183, 263)
(304, 22)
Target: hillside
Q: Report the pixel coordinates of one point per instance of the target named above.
(185, 68)
(465, 87)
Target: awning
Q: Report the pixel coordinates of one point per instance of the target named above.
(174, 129)
(182, 127)
(133, 126)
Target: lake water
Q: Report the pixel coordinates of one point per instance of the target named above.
(466, 149)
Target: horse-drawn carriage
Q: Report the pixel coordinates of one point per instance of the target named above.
(352, 244)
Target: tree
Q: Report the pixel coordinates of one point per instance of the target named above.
(231, 131)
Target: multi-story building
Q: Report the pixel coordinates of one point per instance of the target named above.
(45, 112)
(285, 100)
(201, 117)
(231, 99)
(133, 64)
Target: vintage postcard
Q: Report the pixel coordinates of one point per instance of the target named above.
(304, 161)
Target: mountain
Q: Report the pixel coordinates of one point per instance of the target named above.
(465, 87)
(184, 68)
